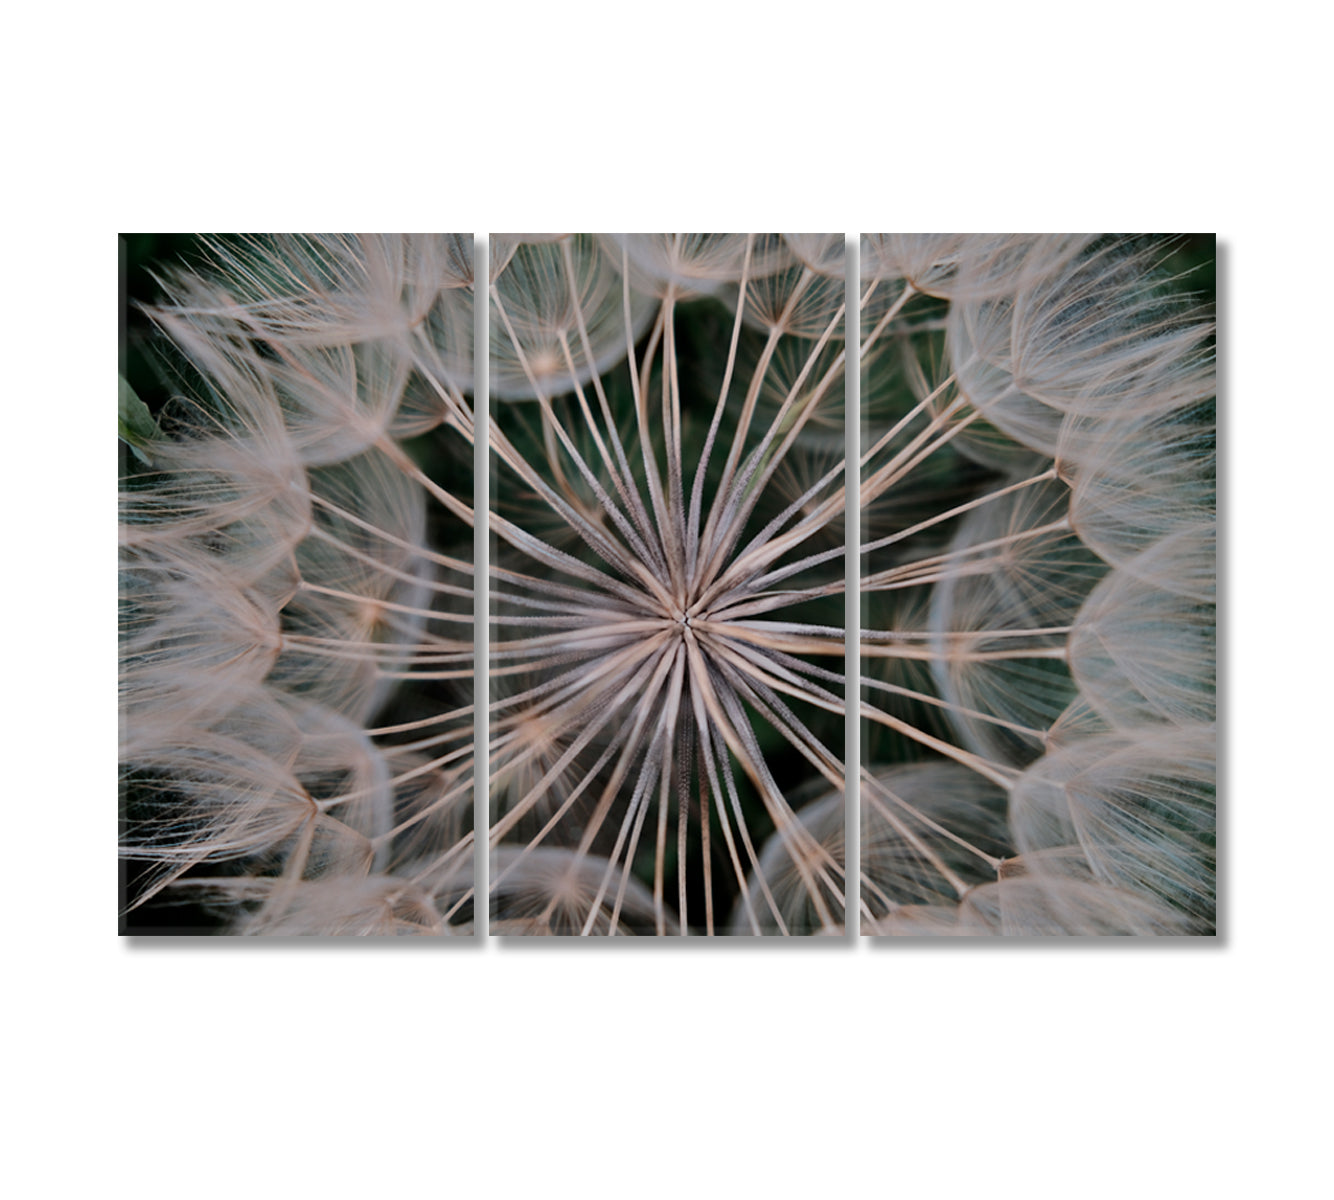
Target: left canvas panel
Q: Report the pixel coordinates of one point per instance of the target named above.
(296, 584)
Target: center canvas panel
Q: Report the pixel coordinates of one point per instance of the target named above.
(667, 596)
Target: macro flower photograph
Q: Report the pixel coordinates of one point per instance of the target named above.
(1038, 561)
(667, 579)
(296, 598)
(705, 502)
(872, 638)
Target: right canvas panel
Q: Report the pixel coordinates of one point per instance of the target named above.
(1038, 533)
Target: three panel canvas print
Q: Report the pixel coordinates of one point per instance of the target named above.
(680, 529)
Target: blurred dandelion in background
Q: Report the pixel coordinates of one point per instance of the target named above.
(668, 519)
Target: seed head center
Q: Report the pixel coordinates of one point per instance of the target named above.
(678, 617)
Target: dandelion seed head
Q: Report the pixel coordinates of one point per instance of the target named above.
(668, 517)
